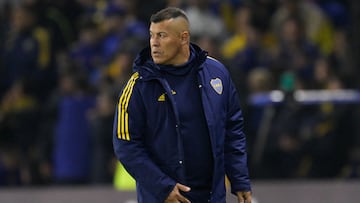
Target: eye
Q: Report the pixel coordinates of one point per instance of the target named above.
(162, 35)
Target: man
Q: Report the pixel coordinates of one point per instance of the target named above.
(178, 125)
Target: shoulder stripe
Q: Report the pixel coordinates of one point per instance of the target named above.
(123, 116)
(214, 59)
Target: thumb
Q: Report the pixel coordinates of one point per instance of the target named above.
(183, 188)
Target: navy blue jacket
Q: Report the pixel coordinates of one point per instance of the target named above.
(147, 137)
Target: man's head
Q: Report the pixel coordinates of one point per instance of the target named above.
(169, 36)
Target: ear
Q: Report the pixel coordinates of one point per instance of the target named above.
(185, 37)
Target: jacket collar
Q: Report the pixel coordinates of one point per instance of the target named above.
(149, 70)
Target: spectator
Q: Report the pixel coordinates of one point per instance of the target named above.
(244, 49)
(103, 161)
(30, 43)
(294, 52)
(242, 33)
(18, 134)
(72, 142)
(317, 27)
(203, 21)
(86, 51)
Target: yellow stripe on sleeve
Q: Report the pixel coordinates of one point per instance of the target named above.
(126, 120)
(124, 113)
(123, 109)
(123, 117)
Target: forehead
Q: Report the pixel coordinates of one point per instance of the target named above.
(162, 26)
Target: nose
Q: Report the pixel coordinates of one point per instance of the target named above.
(154, 42)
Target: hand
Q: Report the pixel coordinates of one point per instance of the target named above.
(175, 195)
(244, 196)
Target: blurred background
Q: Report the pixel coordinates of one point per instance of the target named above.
(295, 64)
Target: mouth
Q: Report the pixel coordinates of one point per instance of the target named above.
(156, 53)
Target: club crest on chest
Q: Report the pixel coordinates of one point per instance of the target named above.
(217, 85)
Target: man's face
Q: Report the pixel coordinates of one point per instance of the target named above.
(165, 43)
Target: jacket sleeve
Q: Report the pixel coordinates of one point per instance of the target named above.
(235, 144)
(129, 147)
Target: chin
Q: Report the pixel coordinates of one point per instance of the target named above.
(157, 61)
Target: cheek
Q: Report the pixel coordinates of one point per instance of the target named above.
(171, 49)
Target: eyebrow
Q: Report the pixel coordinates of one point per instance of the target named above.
(161, 32)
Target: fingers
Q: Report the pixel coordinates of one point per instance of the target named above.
(183, 188)
(244, 197)
(182, 199)
(178, 198)
(247, 197)
(175, 195)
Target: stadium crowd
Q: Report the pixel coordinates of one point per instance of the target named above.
(62, 64)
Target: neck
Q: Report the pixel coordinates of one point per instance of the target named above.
(184, 56)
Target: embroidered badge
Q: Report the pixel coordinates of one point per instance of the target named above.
(217, 85)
